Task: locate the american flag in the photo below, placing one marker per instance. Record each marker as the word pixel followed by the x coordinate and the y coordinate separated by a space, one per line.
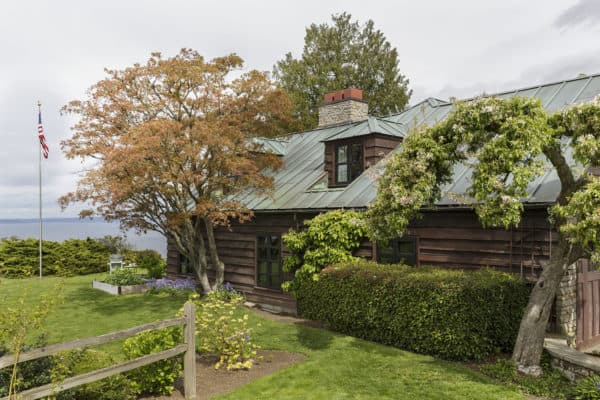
pixel 40 129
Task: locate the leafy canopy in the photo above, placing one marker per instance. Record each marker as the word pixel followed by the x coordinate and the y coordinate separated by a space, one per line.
pixel 341 55
pixel 173 133
pixel 173 141
pixel 508 143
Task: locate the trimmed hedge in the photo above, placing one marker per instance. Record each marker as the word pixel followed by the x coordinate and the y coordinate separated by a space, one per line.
pixel 19 257
pixel 451 314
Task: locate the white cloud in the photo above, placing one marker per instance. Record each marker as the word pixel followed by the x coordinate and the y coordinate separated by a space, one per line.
pixel 53 51
pixel 585 12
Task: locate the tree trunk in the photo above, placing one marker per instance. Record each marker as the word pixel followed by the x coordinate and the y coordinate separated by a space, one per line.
pixel 532 331
pixel 214 255
pixel 195 253
pixel 201 264
pixel 201 271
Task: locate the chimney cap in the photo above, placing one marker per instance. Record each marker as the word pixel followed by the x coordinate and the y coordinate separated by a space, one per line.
pixel 342 95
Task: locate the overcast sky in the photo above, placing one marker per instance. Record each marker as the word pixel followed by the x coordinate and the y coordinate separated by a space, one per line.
pixel 54 50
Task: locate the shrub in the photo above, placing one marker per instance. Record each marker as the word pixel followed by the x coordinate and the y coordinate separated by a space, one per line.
pixel 221 333
pixel 328 238
pixel 115 244
pixel 159 377
pixel 50 369
pixel 19 257
pixel 152 262
pixel 78 362
pixel 226 292
pixel 30 373
pixel 452 314
pixel 124 277
pixel 587 389
pixel 20 322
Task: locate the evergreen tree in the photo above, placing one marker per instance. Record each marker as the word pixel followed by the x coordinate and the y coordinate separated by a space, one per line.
pixel 344 54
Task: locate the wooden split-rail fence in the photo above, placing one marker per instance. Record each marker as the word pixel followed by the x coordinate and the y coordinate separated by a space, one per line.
pixel 188 349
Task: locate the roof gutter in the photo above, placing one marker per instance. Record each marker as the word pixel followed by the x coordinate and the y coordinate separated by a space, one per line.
pixel 528 206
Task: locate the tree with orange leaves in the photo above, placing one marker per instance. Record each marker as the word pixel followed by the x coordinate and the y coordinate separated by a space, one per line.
pixel 171 143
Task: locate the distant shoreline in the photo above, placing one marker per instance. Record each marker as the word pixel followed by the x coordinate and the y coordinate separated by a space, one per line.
pixel 60 229
pixel 50 220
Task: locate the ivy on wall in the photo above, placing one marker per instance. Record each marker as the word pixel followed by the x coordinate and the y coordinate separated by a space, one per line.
pixel 328 238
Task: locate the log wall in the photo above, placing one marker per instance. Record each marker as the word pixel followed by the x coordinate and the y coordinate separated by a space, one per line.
pixel 237 249
pixel 457 239
pixel 445 238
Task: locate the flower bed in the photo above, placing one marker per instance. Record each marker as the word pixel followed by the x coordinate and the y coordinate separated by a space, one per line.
pixel 171 285
pixel 119 289
pixel 122 282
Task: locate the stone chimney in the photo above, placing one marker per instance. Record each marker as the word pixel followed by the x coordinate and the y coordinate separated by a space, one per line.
pixel 343 106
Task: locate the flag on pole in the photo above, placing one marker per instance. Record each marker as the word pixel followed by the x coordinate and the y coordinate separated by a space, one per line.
pixel 40 129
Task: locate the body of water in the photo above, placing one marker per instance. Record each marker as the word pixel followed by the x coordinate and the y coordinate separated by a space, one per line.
pixel 74 228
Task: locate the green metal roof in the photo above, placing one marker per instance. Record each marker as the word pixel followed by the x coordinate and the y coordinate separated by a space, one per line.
pixel 274 145
pixel 296 185
pixel 368 126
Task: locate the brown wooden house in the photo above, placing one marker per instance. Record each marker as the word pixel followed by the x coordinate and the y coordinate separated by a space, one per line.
pixel 330 167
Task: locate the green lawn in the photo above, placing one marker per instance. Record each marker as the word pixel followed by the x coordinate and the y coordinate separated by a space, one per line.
pixel 88 312
pixel 338 366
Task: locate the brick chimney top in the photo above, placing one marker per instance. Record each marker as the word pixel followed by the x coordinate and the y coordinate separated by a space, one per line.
pixel 345 94
pixel 343 106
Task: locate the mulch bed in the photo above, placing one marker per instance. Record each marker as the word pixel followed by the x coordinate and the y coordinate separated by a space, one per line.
pixel 212 382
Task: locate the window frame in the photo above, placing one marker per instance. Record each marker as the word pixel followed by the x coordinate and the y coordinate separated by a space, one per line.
pixel 183 260
pixel 350 162
pixel 396 255
pixel 257 261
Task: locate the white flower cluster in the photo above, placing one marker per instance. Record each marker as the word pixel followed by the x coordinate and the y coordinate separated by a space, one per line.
pixel 458 128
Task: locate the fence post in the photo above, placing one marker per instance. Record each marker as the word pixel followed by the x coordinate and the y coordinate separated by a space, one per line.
pixel 189 358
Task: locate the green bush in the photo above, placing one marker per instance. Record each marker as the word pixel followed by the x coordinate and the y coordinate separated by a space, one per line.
pixel 124 277
pixel 159 377
pixel 53 369
pixel 30 373
pixel 587 389
pixel 552 384
pixel 223 334
pixel 19 257
pixel 328 238
pixel 152 262
pixel 78 362
pixel 451 314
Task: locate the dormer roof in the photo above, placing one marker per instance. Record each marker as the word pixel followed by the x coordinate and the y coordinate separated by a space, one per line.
pixel 369 126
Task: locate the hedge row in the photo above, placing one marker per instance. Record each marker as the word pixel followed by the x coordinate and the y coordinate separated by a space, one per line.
pixel 451 314
pixel 19 257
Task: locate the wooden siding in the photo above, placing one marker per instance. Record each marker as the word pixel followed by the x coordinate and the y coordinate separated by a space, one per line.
pixel 375 147
pixel 445 238
pixel 378 146
pixel 237 249
pixel 457 239
pixel 588 305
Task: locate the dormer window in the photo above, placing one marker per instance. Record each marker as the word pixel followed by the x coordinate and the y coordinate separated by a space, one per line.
pixel 348 162
pixel 352 148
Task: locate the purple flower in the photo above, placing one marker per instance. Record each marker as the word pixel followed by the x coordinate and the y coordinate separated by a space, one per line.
pixel 177 284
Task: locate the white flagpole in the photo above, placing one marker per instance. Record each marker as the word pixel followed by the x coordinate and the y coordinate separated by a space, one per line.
pixel 40 182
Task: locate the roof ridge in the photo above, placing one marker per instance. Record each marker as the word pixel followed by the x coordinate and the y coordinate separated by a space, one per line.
pixel 420 103
pixel 522 89
pixel 388 120
pixel 281 138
